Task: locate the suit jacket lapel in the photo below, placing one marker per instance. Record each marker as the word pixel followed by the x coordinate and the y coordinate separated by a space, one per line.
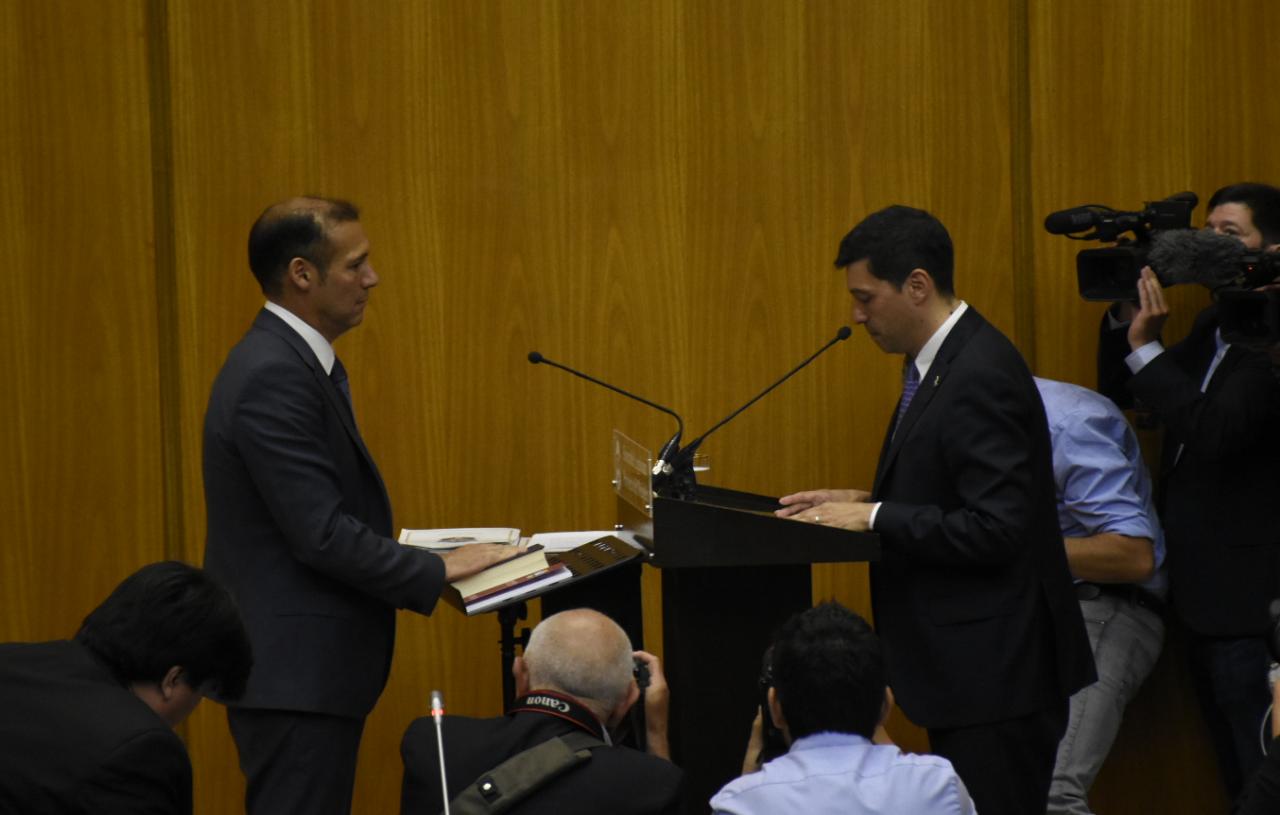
pixel 929 385
pixel 270 322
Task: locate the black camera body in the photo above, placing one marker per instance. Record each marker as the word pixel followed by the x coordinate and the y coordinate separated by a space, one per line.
pixel 1110 273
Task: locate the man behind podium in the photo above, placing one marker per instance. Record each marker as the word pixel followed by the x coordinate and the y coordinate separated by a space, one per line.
pixel 299 519
pixel 972 599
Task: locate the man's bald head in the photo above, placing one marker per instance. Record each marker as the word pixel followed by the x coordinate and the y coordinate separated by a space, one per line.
pixel 584 654
pixel 296 228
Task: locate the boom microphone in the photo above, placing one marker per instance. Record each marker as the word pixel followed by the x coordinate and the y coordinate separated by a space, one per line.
pixel 668 451
pixel 684 480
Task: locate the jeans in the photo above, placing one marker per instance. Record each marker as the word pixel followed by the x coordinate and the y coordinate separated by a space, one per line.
pixel 1126 639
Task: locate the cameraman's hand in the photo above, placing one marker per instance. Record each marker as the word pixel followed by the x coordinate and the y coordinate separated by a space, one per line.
pixel 657 699
pixel 1152 311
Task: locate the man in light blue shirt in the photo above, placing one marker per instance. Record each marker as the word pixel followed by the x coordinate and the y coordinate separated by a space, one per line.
pixel 828 696
pixel 1115 549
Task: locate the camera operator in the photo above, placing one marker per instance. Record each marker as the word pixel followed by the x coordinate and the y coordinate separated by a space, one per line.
pixel 1218 404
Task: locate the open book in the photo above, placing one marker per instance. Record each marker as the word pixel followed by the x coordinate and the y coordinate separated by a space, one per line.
pixel 442 540
pixel 534 573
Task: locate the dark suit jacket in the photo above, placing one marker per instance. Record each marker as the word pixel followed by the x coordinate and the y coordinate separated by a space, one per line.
pixel 973 598
pixel 74 740
pixel 1220 499
pixel 299 530
pixel 617 780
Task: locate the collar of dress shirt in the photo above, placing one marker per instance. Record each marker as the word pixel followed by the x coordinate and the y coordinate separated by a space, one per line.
pixel 319 345
pixel 930 349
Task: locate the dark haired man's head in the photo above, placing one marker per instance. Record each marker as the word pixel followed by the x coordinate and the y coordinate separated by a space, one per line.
pixel 1249 211
pixel 171 633
pixel 898 267
pixel 828 673
pixel 297 228
pixel 897 240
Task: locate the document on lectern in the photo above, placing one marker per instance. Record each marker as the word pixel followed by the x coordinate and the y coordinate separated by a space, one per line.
pixel 444 540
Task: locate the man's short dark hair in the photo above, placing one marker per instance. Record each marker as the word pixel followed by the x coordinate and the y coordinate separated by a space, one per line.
pixel 294 229
pixel 168 614
pixel 896 240
pixel 829 672
pixel 1263 201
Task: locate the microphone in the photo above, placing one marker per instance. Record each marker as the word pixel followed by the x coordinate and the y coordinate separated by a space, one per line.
pixel 1197 256
pixel 684 479
pixel 668 451
pixel 1076 219
pixel 437 713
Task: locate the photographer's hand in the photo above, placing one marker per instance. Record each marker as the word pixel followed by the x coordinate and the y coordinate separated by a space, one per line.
pixel 1152 311
pixel 657 698
pixel 755 744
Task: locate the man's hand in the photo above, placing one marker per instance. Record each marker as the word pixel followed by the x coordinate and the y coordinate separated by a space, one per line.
pixel 474 557
pixel 1152 311
pixel 657 699
pixel 798 502
pixel 755 743
pixel 845 509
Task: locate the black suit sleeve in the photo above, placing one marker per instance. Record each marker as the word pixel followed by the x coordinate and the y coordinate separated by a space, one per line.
pixel 148 774
pixel 283 433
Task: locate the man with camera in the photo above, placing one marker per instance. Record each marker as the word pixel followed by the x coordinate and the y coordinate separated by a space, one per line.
pixel 1218 403
pixel 828 695
pixel 574 682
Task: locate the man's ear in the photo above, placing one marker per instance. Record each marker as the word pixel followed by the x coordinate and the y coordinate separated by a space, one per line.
pixel 301 274
pixel 170 681
pixel 620 709
pixel 520 671
pixel 918 285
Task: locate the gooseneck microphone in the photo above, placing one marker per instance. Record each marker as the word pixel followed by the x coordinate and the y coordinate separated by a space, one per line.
pixel 437 713
pixel 668 451
pixel 684 477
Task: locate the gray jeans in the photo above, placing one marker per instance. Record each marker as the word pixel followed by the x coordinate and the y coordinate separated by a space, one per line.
pixel 1126 640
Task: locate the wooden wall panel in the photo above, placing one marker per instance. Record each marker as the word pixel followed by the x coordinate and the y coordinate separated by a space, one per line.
pixel 81 490
pixel 652 192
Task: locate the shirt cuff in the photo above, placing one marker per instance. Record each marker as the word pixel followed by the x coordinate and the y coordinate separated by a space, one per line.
pixel 1139 358
pixel 871 522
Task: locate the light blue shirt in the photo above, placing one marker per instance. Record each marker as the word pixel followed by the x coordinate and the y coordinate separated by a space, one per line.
pixel 1102 483
pixel 847 774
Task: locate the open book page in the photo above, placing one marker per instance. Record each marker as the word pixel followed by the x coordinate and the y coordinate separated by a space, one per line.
pixel 442 540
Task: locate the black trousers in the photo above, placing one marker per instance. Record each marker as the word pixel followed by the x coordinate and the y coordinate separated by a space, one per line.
pixel 1006 765
pixel 296 763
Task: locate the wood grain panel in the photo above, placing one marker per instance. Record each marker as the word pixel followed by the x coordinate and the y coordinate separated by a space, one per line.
pixel 81 491
pixel 652 192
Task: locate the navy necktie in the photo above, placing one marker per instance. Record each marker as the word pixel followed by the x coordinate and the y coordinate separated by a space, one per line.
pixel 339 377
pixel 910 382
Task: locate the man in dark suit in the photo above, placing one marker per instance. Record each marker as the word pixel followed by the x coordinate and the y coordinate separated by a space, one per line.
pixel 1219 404
pixel 972 599
pixel 299 522
pixel 86 725
pixel 575 678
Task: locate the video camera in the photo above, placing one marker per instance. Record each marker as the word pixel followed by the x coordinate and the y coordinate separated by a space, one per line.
pixel 1110 274
pixel 1162 239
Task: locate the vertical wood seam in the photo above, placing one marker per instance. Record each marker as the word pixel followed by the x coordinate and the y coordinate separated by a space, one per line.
pixel 1022 217
pixel 167 323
